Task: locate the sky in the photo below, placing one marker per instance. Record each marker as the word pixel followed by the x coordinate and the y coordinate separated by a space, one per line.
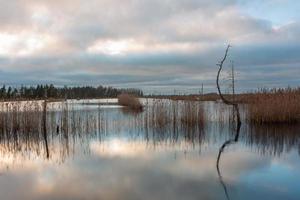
pixel 159 46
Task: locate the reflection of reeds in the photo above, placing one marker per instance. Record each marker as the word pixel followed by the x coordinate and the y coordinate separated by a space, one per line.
pixel 272 139
pixel 165 113
pixel 160 115
pixel 192 113
pixel 163 121
pixel 34 128
pixel 24 127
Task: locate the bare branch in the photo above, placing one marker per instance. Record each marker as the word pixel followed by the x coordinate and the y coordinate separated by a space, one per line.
pixel 236 138
pixel 226 101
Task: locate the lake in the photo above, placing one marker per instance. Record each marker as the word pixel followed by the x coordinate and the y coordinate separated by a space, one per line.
pixel 93 151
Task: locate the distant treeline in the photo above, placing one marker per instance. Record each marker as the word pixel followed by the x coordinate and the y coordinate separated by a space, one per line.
pixel 50 91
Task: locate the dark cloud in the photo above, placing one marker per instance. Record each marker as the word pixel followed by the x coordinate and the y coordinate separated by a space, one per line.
pixel 170 44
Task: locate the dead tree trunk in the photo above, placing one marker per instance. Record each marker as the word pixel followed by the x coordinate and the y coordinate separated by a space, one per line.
pixel 236 108
pixel 226 101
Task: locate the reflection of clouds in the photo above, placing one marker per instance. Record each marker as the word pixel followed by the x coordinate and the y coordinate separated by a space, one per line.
pixel 117 148
pixel 143 175
pixel 140 178
pixel 290 160
pixel 252 176
pixel 237 162
pixel 124 148
pixel 123 164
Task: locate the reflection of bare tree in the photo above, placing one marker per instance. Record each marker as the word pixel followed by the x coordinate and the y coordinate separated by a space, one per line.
pixel 54 131
pixel 238 121
pixel 45 127
pixel 221 150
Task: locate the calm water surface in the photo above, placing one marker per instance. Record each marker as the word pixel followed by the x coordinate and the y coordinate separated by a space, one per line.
pixel 105 153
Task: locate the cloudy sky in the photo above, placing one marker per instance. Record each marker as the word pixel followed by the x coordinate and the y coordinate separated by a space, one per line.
pixel 156 45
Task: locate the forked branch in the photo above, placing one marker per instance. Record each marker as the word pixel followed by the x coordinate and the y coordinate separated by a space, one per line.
pixel 226 101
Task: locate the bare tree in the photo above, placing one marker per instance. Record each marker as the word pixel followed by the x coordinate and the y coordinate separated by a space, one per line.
pixel 237 133
pixel 226 101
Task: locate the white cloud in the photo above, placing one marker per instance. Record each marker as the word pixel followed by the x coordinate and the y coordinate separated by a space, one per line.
pixel 158 36
pixel 23 44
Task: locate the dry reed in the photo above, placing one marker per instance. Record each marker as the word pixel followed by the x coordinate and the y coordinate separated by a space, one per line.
pixel 280 106
pixel 176 113
pixel 130 101
pixel 192 113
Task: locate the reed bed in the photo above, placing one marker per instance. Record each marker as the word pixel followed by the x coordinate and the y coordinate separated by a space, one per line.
pixel 22 125
pixel 277 106
pixel 39 128
pixel 52 130
pixel 160 114
pixel 192 113
pixel 130 101
pixel 176 113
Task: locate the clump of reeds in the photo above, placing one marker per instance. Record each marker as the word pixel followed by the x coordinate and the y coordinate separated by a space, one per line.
pixel 160 114
pixel 130 101
pixel 192 113
pixel 276 106
pixel 175 114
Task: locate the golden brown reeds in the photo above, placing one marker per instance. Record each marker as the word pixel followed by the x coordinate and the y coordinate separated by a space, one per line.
pixel 192 113
pixel 130 101
pixel 175 114
pixel 160 116
pixel 280 106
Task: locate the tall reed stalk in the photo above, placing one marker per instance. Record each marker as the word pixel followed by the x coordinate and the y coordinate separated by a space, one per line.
pixel 274 107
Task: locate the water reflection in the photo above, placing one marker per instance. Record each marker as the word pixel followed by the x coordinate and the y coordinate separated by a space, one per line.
pixel 38 131
pixel 93 149
pixel 221 150
pixel 273 140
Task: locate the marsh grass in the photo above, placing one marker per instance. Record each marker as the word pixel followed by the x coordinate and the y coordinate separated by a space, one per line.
pixel 22 126
pixel 277 106
pixel 176 113
pixel 160 115
pixel 36 128
pixel 192 113
pixel 130 102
